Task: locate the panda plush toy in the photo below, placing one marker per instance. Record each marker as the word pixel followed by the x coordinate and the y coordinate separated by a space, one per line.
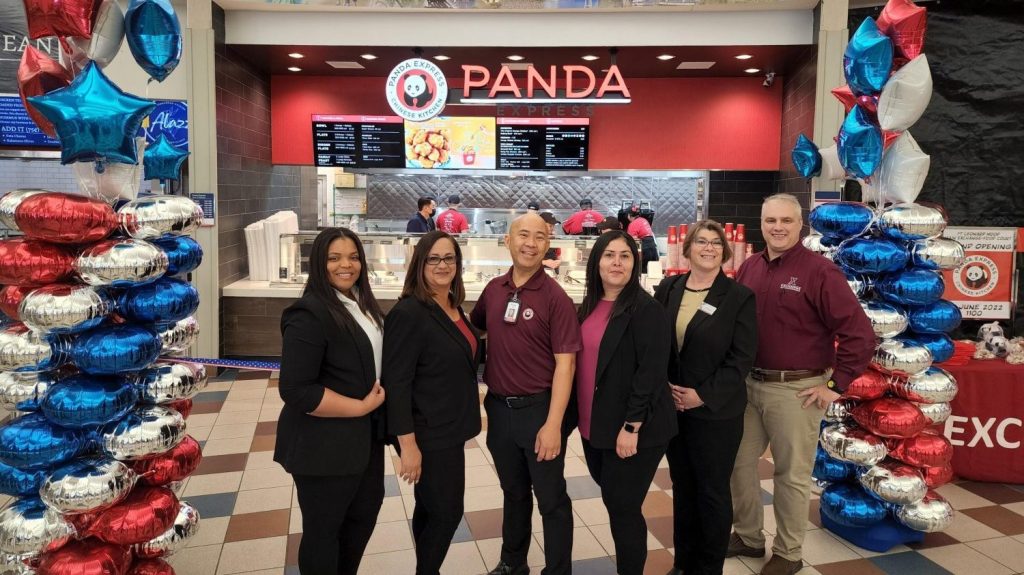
pixel 417 93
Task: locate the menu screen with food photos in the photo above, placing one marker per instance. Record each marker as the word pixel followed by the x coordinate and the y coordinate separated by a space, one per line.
pixel 450 143
pixel 543 143
pixel 359 141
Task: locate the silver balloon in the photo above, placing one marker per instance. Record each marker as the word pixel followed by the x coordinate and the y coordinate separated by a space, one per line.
pixel 894 482
pixel 911 222
pixel 933 513
pixel 186 524
pixel 165 382
pixel 887 320
pixel 24 350
pixel 107 35
pixel 145 432
pixel 894 357
pixel 121 263
pixel 937 253
pixel 177 487
pixel 64 308
pixel 9 203
pixel 935 385
pixel 87 485
pixel 21 391
pixel 935 412
pixel 29 526
pixel 839 410
pixel 179 336
pixel 11 564
pixel 858 283
pixel 154 216
pixel 812 241
pixel 852 444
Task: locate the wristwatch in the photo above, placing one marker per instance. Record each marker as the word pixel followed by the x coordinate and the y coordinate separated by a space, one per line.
pixel 630 428
pixel 832 385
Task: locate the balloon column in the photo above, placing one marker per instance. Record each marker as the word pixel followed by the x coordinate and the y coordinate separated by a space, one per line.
pixel 99 304
pixel 880 456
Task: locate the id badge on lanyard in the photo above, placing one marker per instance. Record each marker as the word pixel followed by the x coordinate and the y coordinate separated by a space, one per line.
pixel 512 308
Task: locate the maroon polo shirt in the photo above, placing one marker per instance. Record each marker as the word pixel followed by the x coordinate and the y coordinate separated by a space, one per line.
pixel 804 304
pixel 521 356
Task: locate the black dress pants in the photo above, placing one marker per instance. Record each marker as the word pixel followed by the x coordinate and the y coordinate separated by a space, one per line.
pixel 624 485
pixel 339 513
pixel 438 509
pixel 700 462
pixel 511 434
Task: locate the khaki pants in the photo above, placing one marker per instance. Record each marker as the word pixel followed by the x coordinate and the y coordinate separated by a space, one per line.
pixel 774 417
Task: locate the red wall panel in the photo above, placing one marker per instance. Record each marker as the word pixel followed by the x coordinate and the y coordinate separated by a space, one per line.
pixel 686 123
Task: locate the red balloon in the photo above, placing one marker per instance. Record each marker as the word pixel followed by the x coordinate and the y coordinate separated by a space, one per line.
pixel 59 17
pixel 924 450
pixel 888 137
pixel 39 74
pixel 65 218
pixel 938 476
pixel 182 406
pixel 904 23
pixel 88 557
pixel 28 262
pixel 144 514
pixel 10 299
pixel 870 385
pixel 845 96
pixel 151 567
pixel 890 417
pixel 172 465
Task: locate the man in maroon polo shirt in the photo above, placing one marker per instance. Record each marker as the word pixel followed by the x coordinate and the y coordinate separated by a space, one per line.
pixel 532 340
pixel 804 305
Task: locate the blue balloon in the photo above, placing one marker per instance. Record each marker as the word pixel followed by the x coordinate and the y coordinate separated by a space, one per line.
pixel 939 344
pixel 868 59
pixel 872 256
pixel 114 349
pixel 19 482
pixel 94 119
pixel 849 504
pixel 827 468
pixel 911 287
pixel 32 442
pixel 163 301
pixel 860 144
pixel 940 317
pixel 83 401
pixel 806 158
pixel 154 36
pixel 183 253
pixel 162 161
pixel 840 220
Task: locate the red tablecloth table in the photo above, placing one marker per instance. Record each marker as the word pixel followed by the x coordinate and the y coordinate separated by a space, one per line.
pixel 987 424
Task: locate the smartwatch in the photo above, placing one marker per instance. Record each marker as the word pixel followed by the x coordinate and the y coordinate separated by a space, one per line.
pixel 832 385
pixel 630 428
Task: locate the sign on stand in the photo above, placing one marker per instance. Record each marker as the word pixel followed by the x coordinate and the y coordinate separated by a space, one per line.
pixel 982 287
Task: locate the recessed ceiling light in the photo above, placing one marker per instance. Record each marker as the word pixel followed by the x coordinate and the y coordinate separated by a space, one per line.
pixel 345 65
pixel 294 69
pixel 367 56
pixel 752 70
pixel 744 57
pixel 515 57
pixel 694 65
pixel 442 57
pixel 590 58
pixel 295 55
pixel 604 69
pixel 664 57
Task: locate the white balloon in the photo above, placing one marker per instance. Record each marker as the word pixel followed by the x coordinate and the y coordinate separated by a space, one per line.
pixel 905 95
pixel 116 182
pixel 107 35
pixel 870 193
pixel 903 170
pixel 831 169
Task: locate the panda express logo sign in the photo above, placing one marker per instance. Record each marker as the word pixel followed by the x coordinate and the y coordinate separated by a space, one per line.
pixel 417 90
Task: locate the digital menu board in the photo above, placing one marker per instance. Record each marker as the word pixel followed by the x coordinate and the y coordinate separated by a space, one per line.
pixel 450 142
pixel 543 143
pixel 359 141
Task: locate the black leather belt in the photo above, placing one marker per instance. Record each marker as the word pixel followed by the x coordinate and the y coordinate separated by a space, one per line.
pixel 780 376
pixel 521 401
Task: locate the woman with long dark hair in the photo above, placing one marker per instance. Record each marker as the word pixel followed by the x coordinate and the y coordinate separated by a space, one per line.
pixel 625 408
pixel 329 434
pixel 430 359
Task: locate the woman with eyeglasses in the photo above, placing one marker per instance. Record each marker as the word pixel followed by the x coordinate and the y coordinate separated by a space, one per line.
pixel 713 347
pixel 430 364
pixel 623 400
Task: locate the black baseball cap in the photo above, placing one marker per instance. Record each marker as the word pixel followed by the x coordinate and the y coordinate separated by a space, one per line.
pixel 609 223
pixel 548 217
pixel 454 199
pixel 533 205
pixel 586 203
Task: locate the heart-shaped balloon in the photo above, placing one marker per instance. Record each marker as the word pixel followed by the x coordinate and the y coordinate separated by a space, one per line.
pixel 907 222
pixel 894 482
pixel 178 337
pixel 911 287
pixel 939 344
pixel 113 349
pixel 185 526
pixel 121 263
pixel 9 203
pixel 26 262
pixel 28 526
pixel 163 301
pixel 934 385
pixel 890 417
pixel 870 385
pixel 155 216
pixel 933 513
pixel 173 465
pixel 86 401
pixel 936 477
pixel 32 442
pixel 64 308
pixel 88 557
pixel 924 450
pixel 184 253
pixel 839 410
pixel 938 318
pixel 841 220
pixel 852 444
pixel 64 218
pixel 146 432
pixel 887 320
pixel 872 256
pixel 165 382
pixel 146 513
pixel 935 412
pixel 87 485
pixel 937 253
pixel 850 505
pixel 827 468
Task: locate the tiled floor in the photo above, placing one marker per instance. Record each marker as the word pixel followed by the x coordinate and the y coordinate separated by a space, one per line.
pixel 251 522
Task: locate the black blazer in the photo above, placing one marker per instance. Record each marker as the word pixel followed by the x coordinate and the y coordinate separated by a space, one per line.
pixel 631 383
pixel 318 354
pixel 718 349
pixel 429 376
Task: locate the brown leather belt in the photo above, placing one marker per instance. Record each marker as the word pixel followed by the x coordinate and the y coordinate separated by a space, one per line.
pixel 778 376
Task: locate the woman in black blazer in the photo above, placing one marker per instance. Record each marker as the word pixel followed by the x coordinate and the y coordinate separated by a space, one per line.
pixel 623 400
pixel 329 435
pixel 430 359
pixel 716 323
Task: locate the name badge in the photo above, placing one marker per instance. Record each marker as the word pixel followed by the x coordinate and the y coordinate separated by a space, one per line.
pixel 708 308
pixel 512 309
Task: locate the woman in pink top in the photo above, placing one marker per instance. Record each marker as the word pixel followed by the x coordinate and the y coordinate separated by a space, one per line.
pixel 640 229
pixel 626 415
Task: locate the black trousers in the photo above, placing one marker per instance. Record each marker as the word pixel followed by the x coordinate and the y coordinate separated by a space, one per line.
pixel 438 509
pixel 339 513
pixel 648 252
pixel 624 484
pixel 700 461
pixel 511 434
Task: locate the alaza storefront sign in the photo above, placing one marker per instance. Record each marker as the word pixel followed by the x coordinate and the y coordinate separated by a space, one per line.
pixel 417 89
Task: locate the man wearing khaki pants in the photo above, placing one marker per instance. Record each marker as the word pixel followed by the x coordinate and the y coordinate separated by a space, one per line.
pixel 804 305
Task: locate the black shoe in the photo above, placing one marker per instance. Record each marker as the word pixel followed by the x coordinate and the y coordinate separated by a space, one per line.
pixel 506 569
pixel 674 571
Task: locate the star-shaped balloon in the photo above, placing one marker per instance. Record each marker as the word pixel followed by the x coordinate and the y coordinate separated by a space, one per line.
pixel 806 158
pixel 904 23
pixel 162 161
pixel 59 17
pixel 868 59
pixel 154 36
pixel 860 144
pixel 94 118
pixel 39 74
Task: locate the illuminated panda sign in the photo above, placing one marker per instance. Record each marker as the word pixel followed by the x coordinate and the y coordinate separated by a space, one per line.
pixel 417 90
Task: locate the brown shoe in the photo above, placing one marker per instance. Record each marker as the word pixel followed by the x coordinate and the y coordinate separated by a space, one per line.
pixel 779 566
pixel 738 547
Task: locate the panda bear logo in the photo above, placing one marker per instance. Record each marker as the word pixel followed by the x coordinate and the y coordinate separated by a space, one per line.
pixel 416 91
pixel 976 277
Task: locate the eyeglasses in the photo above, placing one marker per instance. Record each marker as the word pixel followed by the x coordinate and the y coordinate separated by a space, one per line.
pixel 436 260
pixel 703 243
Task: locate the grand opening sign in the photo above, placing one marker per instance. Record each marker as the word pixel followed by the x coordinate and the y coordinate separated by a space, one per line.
pixel 982 287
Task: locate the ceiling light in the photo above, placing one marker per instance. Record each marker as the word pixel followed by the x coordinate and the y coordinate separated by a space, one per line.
pixel 590 58
pixel 294 69
pixel 752 70
pixel 515 57
pixel 744 57
pixel 694 65
pixel 295 55
pixel 442 57
pixel 517 66
pixel 664 57
pixel 345 65
pixel 367 56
